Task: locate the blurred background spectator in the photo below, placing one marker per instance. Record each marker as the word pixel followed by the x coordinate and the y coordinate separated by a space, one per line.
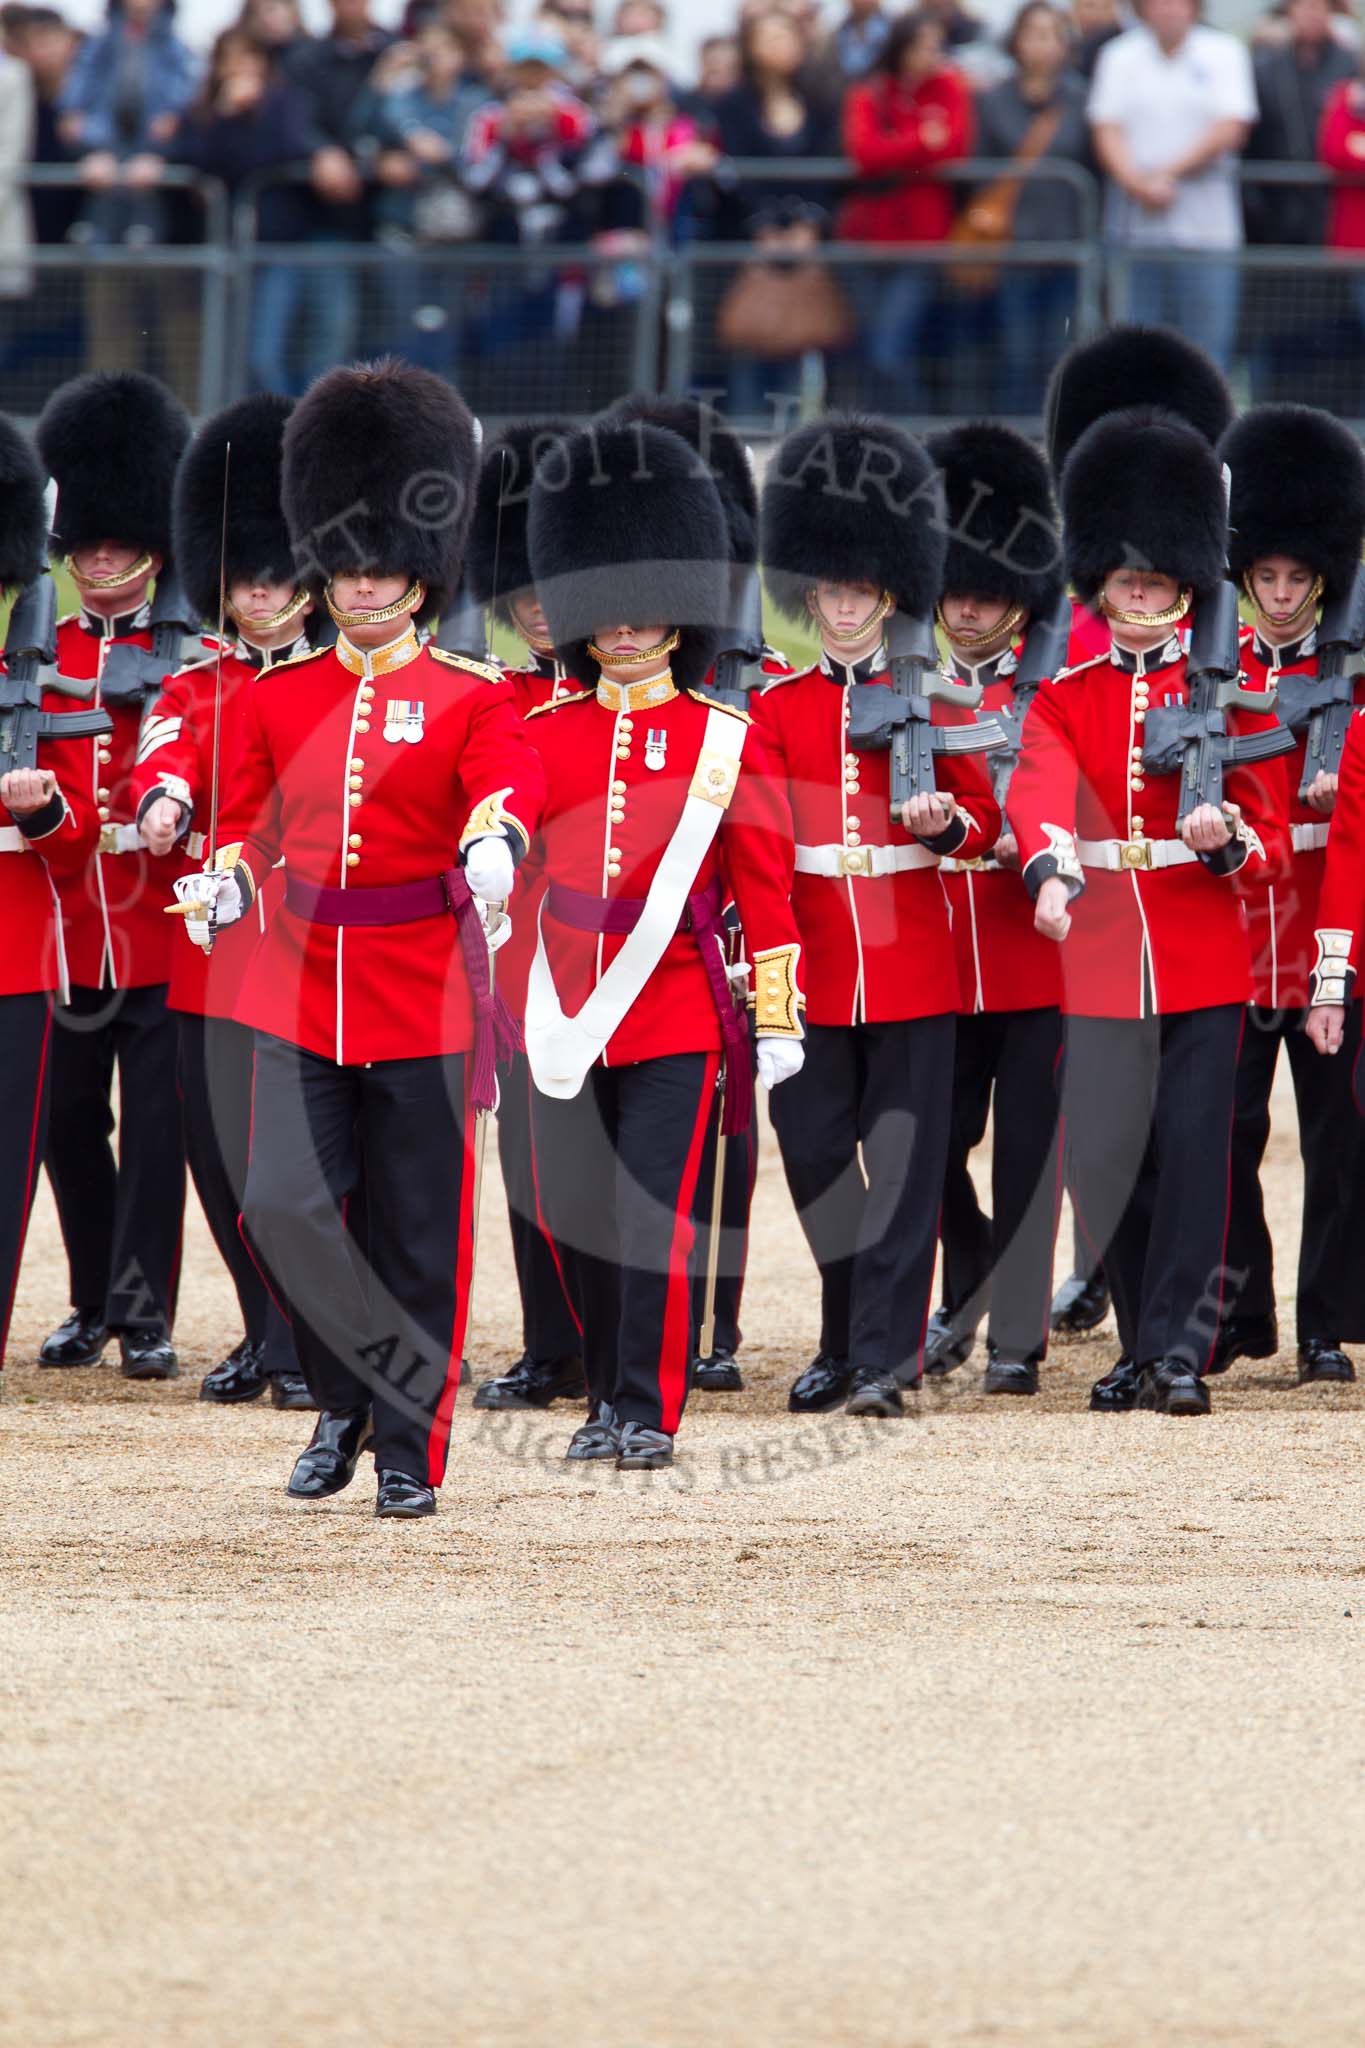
pixel 782 108
pixel 861 37
pixel 1294 76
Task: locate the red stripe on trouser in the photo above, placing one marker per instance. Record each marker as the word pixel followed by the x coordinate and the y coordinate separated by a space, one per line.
pixel 438 1441
pixel 541 1225
pixel 675 1351
pixel 30 1176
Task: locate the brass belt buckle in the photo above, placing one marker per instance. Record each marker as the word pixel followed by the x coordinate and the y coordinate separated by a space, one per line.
pixel 855 860
pixel 1137 853
pixel 108 839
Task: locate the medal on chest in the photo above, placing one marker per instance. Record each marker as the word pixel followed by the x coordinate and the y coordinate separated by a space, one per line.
pixel 656 746
pixel 404 718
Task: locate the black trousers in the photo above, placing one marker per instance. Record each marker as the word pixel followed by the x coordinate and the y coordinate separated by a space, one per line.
pixel 1004 1260
pixel 1331 1283
pixel 618 1169
pixel 548 1325
pixel 872 1224
pixel 217 1060
pixel 387 1330
pixel 25 1076
pixel 121 1217
pixel 1147 1107
pixel 738 1175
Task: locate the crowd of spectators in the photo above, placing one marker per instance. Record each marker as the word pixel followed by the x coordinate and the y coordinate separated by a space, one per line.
pixel 601 123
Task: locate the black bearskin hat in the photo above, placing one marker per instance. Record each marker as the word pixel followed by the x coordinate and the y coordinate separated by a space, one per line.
pixel 23 513
pixel 257 537
pixel 628 530
pixel 112 442
pixel 850 498
pixel 723 453
pixel 498 561
pixel 1002 527
pixel 379 473
pixel 1298 488
pixel 1133 366
pixel 1143 489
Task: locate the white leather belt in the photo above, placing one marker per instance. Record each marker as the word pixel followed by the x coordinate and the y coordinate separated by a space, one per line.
pixel 120 839
pixel 1309 838
pixel 1121 856
pixel 835 862
pixel 12 840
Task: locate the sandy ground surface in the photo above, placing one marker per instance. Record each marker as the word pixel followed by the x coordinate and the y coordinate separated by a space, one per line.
pixel 1005 1724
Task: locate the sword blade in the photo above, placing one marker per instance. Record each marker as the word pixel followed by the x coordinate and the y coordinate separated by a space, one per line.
pixel 212 840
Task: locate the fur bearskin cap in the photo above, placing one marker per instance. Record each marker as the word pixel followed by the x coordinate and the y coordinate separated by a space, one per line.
pixel 111 442
pixel 720 448
pixel 23 513
pixel 1002 527
pixel 1298 488
pixel 379 473
pixel 1143 489
pixel 850 498
pixel 498 561
pixel 257 537
pixel 1133 366
pixel 628 530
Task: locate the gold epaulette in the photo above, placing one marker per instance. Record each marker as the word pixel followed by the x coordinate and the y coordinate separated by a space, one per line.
pixel 1079 667
pixel 487 671
pixel 558 703
pixel 293 660
pixel 716 705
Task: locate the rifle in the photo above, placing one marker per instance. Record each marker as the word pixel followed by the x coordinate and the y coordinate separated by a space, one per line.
pixel 136 675
pixel 1192 740
pixel 463 630
pixel 31 655
pixel 901 718
pixel 1041 657
pixel 1325 703
pixel 739 664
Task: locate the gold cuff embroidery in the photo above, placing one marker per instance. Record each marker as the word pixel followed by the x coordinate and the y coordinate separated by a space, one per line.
pixel 776 999
pixel 491 816
pixel 1328 980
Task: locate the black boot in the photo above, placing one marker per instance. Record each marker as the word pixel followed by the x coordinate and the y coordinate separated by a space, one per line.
pixel 1117 1392
pixel 1006 1375
pixel 240 1377
pixel 717 1374
pixel 403 1499
pixel 290 1390
pixel 147 1355
pixel 1322 1361
pixel 534 1383
pixel 1079 1304
pixel 80 1340
pixel 874 1392
pixel 948 1343
pixel 1244 1337
pixel 1170 1386
pixel 329 1462
pixel 823 1384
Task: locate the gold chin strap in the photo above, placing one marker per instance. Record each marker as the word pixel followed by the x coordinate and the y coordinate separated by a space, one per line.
pixel 976 643
pixel 605 660
pixel 541 647
pixel 412 600
pixel 281 618
pixel 1296 617
pixel 843 636
pixel 1172 615
pixel 97 585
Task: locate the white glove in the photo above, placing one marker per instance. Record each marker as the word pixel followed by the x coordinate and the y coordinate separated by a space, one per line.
pixel 779 1059
pixel 218 893
pixel 488 868
pixel 737 973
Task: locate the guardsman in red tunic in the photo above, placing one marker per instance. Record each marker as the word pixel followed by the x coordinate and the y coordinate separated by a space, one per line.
pixel 1155 966
pixel 853 529
pixel 1003 569
pixel 396 785
pixel 498 574
pixel 111 443
pixel 1125 366
pixel 48 830
pixel 1298 528
pixel 266 615
pixel 660 808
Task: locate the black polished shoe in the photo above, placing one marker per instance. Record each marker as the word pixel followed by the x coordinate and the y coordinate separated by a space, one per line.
pixel 240 1377
pixel 822 1385
pixel 1171 1387
pixel 147 1355
pixel 717 1374
pixel 1010 1376
pixel 402 1498
pixel 600 1437
pixel 947 1344
pixel 641 1449
pixel 328 1464
pixel 1117 1392
pixel 1244 1337
pixel 1322 1360
pixel 1079 1305
pixel 534 1383
pixel 290 1390
pixel 873 1392
pixel 80 1340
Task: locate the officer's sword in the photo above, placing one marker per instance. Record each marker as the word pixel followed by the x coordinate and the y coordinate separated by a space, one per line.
pixel 206 910
pixel 484 1116
pixel 707 1338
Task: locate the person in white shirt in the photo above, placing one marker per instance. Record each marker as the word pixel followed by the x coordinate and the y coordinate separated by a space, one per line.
pixel 1171 108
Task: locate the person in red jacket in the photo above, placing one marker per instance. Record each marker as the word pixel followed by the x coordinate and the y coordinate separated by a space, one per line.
pixel 853 530
pixel 111 443
pixel 913 115
pixel 1155 967
pixel 1341 148
pixel 1003 569
pixel 202 713
pixel 48 830
pixel 660 808
pixel 1297 516
pixel 394 782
